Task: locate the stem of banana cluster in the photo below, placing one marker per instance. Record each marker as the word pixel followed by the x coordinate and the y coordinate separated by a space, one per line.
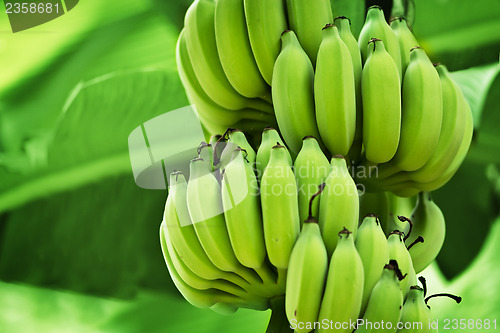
pixel 278 322
pixel 282 272
pixel 249 275
pixel 266 274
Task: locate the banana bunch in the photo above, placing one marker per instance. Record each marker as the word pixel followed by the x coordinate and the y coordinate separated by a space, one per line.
pixel 247 227
pixel 377 99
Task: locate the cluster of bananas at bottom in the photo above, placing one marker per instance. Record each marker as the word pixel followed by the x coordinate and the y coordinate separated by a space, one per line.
pixel 252 226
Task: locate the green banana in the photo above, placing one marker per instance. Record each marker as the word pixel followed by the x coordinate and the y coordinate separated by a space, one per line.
pixel 376 27
pixel 334 93
pixel 429 223
pixel 416 315
pixel 373 250
pixel 306 276
pixel 280 211
pixel 339 204
pixel 266 20
pixel 238 138
pixel 206 153
pixel 344 286
pixel 399 206
pixel 385 303
pixel 199 25
pixel 422 113
pixel 311 168
pixel 235 51
pixel 270 138
pixel 405 38
pixel 241 204
pixel 399 252
pixel 306 19
pixel 453 127
pixel 293 93
pixel 381 104
pixel 376 203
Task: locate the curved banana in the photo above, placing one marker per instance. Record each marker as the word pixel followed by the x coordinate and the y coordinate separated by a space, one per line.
pixel 334 93
pixel 344 285
pixel 307 18
pixel 339 204
pixel 416 315
pixel 311 168
pixel 270 138
pixel 429 223
pixel 385 303
pixel 293 93
pixel 235 52
pixel 266 21
pixel 199 25
pixel 381 104
pixel 405 38
pixel 373 250
pixel 238 138
pixel 421 115
pixel 376 27
pixel 280 210
pixel 241 204
pixel 452 130
pixel 306 276
pixel 399 252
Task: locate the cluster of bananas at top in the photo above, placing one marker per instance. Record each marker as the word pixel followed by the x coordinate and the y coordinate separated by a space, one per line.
pixel 378 100
pixel 249 227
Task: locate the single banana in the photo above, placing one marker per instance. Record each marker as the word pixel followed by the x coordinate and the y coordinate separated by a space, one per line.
pixel 238 138
pixel 399 206
pixel 373 250
pixel 307 18
pixel 311 168
pixel 452 130
pixel 376 27
pixel 416 316
pixel 405 38
pixel 429 223
pixel 385 303
pixel 339 204
pixel 206 213
pixel 241 204
pixel 280 210
pixel 199 25
pixel 344 286
pixel 422 113
pixel 206 153
pixel 306 276
pixel 293 93
pixel 266 20
pixel 270 138
pixel 235 52
pixel 399 252
pixel 381 104
pixel 334 93
pixel 344 26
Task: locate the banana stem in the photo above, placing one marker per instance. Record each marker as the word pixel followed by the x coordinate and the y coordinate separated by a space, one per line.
pixel 265 273
pixel 282 277
pixel 278 322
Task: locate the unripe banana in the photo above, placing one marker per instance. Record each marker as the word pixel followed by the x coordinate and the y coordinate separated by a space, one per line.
pixel 334 93
pixel 266 20
pixel 399 206
pixel 452 130
pixel 376 27
pixel 405 38
pixel 344 285
pixel 235 52
pixel 385 303
pixel 241 204
pixel 202 48
pixel 206 153
pixel 381 104
pixel 339 204
pixel 311 168
pixel 206 213
pixel 306 277
pixel 416 312
pixel 270 138
pixel 238 138
pixel 399 252
pixel 422 113
pixel 307 18
pixel 344 26
pixel 373 250
pixel 429 223
pixel 280 211
pixel 293 93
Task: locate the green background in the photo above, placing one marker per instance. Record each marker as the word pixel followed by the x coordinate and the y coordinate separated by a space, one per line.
pixel 79 248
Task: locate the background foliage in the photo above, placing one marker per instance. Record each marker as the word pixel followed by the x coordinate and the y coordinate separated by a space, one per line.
pixel 79 250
